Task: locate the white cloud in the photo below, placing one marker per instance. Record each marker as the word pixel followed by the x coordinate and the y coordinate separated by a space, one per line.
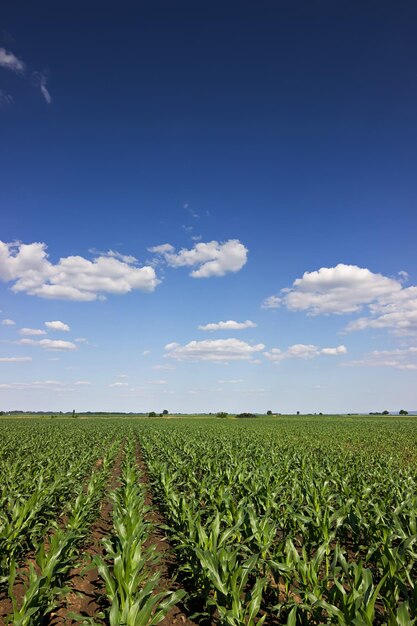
pixel 15 359
pixel 146 353
pixel 340 289
pixel 57 325
pixel 8 322
pixel 32 331
pixel 334 351
pixel 229 325
pixel 162 249
pixel 272 302
pixel 49 344
pixel 73 277
pixel 166 366
pixel 348 289
pixel 230 382
pixel 119 384
pixel 302 351
pixel 400 359
pixel 11 62
pixel 397 313
pixel 157 382
pixel 210 259
pixel 213 350
pixel 82 382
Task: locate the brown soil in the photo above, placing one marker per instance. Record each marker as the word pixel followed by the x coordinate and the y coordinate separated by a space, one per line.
pixel 166 565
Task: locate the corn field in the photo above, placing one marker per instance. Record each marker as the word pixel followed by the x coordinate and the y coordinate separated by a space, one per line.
pixel 297 521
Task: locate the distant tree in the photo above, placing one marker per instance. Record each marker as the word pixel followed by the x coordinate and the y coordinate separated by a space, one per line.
pixel 269 412
pixel 298 412
pixel 403 412
pixel 151 414
pixel 244 415
pixel 385 412
pixel 222 414
pixel 165 412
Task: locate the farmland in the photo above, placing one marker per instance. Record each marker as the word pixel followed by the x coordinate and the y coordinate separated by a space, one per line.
pixel 289 520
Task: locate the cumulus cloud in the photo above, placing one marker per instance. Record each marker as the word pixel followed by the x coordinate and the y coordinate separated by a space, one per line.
pixel 32 331
pixel 397 313
pixel 210 259
pixel 58 325
pixel 342 289
pixel 8 322
pixel 49 344
pixel 73 277
pixel 229 325
pixel 11 62
pixel 400 359
pixel 14 359
pixel 302 351
pixel 213 350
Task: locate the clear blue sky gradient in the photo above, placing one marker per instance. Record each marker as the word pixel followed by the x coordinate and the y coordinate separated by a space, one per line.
pixel 289 126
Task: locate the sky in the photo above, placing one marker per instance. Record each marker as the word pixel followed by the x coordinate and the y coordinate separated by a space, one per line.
pixel 208 206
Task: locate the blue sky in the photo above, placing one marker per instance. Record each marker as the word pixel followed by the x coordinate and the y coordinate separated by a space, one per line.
pixel 245 165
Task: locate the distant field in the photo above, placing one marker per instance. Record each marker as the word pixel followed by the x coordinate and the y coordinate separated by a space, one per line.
pixel 278 520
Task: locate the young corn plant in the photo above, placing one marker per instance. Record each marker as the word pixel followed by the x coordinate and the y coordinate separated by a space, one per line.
pixel 131 587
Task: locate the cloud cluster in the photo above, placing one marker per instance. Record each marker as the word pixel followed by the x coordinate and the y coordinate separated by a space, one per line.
pixel 73 277
pixel 302 351
pixel 213 350
pixel 348 289
pixel 229 325
pixel 15 359
pixel 400 358
pixel 210 259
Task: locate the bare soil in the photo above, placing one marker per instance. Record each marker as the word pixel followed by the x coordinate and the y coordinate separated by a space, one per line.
pixel 167 564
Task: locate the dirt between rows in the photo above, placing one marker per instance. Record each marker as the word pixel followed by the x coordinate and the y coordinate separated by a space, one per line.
pixel 176 616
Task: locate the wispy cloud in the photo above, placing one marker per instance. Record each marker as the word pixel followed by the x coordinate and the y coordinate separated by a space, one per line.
pixel 32 331
pixel 11 62
pixel 15 359
pixel 41 79
pixel 400 359
pixel 8 322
